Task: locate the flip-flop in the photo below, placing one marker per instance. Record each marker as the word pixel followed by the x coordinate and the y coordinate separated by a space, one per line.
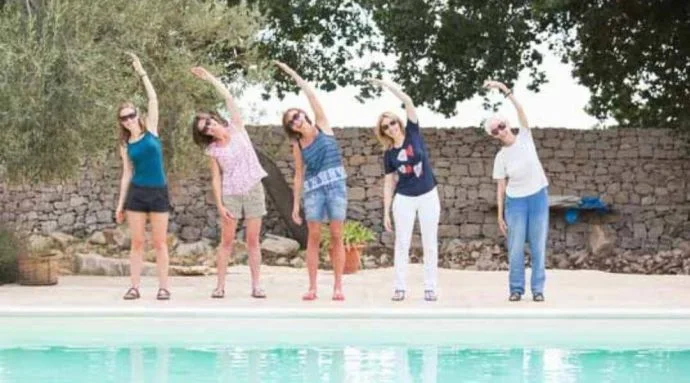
pixel 218 294
pixel 258 293
pixel 163 294
pixel 131 294
pixel 309 296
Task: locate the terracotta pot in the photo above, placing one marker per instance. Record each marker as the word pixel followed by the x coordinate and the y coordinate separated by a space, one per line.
pixel 352 258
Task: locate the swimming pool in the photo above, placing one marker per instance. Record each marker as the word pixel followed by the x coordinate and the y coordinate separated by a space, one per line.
pixel 311 345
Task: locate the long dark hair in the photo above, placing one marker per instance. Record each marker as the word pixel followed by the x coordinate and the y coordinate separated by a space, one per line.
pixel 204 140
pixel 288 130
pixel 125 134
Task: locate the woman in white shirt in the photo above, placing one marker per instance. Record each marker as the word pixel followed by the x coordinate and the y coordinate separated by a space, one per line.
pixel 523 188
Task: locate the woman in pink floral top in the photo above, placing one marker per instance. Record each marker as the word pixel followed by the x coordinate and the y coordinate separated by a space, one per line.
pixel 236 178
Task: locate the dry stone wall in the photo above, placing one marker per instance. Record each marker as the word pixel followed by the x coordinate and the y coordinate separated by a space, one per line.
pixel 643 174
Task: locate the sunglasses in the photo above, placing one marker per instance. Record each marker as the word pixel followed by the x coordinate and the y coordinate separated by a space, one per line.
pixel 501 126
pixel 294 119
pixel 130 116
pixel 389 125
pixel 206 127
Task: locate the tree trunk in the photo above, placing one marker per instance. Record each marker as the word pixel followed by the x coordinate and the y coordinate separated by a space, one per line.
pixel 281 194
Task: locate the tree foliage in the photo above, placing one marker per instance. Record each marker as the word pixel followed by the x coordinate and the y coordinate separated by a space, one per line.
pixel 64 72
pixel 444 50
pixel 632 55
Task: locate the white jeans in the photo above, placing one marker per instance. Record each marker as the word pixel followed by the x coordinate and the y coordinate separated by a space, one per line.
pixel 405 210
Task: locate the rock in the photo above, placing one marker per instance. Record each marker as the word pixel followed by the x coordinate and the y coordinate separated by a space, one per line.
pixel 118 237
pixel 189 271
pixel 193 250
pixel 39 245
pixel 297 262
pixel 94 264
pixel 98 238
pixel 560 261
pixel 63 240
pixel 282 261
pixel 600 244
pixel 684 247
pixel 486 263
pixel 277 247
pixel 239 252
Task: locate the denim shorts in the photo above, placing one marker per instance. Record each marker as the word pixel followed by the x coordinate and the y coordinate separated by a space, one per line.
pixel 326 203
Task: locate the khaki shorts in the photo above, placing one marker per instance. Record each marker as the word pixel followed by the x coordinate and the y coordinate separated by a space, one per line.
pixel 249 205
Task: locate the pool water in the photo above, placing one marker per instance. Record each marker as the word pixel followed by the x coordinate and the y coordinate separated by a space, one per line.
pixel 379 364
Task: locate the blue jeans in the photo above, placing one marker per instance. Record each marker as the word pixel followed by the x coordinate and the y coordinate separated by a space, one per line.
pixel 527 218
pixel 326 203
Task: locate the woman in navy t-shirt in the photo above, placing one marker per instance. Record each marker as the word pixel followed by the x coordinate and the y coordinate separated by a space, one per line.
pixel 410 189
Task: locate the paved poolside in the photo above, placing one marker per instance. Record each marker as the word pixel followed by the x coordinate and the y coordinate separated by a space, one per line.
pixel 367 289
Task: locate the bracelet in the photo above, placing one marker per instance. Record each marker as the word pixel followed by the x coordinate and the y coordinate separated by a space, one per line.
pixel 508 94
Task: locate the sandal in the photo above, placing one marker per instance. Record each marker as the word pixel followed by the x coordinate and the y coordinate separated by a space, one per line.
pixel 514 297
pixel 258 293
pixel 131 294
pixel 398 295
pixel 338 296
pixel 430 296
pixel 163 294
pixel 218 293
pixel 538 297
pixel 309 296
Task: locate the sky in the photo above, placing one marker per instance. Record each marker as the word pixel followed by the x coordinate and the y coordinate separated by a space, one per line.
pixel 559 104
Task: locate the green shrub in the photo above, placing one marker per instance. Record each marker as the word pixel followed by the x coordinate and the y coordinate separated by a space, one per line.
pixel 11 246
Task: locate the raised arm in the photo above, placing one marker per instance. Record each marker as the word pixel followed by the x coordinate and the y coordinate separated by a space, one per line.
pixel 522 117
pixel 320 116
pixel 233 108
pixel 152 110
pixel 124 185
pixel 406 100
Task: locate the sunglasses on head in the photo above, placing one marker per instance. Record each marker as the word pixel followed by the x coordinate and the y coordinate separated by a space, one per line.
pixel 294 119
pixel 130 116
pixel 389 125
pixel 501 126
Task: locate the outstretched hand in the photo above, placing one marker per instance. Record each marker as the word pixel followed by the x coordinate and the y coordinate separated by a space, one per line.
pixel 201 73
pixel 136 63
pixel 490 84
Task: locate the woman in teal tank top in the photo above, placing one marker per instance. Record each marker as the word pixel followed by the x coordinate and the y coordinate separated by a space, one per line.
pixel 319 172
pixel 143 187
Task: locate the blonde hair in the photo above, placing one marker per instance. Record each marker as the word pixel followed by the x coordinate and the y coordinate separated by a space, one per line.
pixel 385 140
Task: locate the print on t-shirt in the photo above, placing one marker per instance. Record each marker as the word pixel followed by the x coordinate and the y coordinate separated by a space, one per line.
pixel 408 155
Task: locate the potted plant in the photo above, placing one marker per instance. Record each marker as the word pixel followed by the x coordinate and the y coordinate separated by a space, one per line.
pixel 39 266
pixel 355 237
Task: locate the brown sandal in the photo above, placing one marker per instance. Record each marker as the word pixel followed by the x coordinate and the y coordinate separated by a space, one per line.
pixel 131 294
pixel 163 294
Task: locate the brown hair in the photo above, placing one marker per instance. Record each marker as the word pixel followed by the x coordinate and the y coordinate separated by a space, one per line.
pixel 201 139
pixel 385 140
pixel 124 133
pixel 288 130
